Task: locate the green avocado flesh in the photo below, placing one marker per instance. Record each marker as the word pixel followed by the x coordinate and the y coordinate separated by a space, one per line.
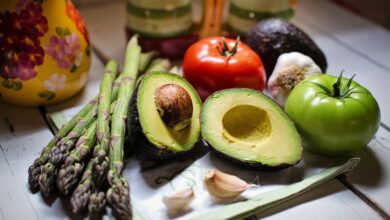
pixel 248 127
pixel 153 127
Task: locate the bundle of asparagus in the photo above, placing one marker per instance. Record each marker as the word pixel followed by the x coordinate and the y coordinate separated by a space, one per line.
pixel 85 157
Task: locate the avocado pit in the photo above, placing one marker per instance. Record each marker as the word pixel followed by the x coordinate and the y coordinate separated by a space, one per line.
pixel 246 123
pixel 174 106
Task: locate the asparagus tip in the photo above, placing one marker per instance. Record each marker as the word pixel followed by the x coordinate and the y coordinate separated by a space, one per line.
pixel 97 202
pixel 118 198
pixel 68 177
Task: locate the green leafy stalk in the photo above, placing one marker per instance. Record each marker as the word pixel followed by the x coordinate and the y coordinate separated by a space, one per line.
pixel 100 155
pixel 118 195
pixel 34 170
pixel 70 172
pixel 80 196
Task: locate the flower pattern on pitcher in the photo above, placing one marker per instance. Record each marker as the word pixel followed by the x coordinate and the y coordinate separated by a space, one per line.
pixel 20 47
pixel 56 82
pixel 65 50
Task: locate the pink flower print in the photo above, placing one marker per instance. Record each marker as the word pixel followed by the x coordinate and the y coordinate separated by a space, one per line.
pixel 56 82
pixel 64 50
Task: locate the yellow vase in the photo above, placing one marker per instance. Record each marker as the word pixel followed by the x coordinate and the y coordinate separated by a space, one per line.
pixel 44 51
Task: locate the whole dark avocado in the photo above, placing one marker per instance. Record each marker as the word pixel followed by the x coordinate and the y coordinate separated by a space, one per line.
pixel 272 37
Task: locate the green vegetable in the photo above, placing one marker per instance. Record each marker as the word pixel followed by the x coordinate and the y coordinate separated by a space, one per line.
pixel 80 196
pixel 100 157
pixel 46 179
pixel 118 194
pixel 247 128
pixel 34 171
pixel 100 161
pixel 69 174
pixel 145 60
pixel 163 118
pixel 335 116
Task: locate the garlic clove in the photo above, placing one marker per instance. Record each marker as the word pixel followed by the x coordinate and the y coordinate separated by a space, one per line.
pixel 222 185
pixel 179 200
pixel 290 69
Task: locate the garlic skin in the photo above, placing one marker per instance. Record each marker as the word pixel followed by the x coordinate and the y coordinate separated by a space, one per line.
pixel 224 186
pixel 290 69
pixel 179 200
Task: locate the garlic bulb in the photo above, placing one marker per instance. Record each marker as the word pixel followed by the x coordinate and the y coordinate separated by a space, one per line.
pixel 179 200
pixel 222 185
pixel 290 69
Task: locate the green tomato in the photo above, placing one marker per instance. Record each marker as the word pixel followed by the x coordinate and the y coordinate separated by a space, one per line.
pixel 335 116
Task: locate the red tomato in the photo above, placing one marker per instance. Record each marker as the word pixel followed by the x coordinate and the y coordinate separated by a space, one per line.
pixel 211 65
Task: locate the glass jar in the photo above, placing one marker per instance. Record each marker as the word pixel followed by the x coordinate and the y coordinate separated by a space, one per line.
pixel 244 14
pixel 165 26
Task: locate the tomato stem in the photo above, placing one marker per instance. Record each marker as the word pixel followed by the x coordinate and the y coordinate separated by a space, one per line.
pixel 337 93
pixel 224 51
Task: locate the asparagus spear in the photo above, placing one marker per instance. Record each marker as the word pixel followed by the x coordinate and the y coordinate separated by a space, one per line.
pixel 84 191
pixel 67 143
pixel 46 179
pixel 34 170
pixel 118 195
pixel 145 60
pixel 100 157
pixel 68 175
pixel 81 194
pixel 158 64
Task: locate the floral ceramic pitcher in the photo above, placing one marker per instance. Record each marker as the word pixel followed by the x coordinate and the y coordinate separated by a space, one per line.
pixel 44 51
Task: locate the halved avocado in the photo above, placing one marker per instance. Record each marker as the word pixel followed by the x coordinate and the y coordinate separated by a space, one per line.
pixel 163 118
pixel 250 129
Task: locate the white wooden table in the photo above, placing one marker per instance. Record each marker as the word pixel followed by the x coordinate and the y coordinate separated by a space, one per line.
pixel 349 42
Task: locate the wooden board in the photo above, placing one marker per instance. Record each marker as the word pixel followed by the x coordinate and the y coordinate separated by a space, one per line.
pixel 372 177
pixel 23 132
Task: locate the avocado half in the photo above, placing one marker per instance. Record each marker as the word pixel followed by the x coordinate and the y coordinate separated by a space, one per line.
pixel 249 129
pixel 272 37
pixel 150 136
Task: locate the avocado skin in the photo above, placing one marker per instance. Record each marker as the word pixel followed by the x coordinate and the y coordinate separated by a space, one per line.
pixel 250 165
pixel 137 140
pixel 272 37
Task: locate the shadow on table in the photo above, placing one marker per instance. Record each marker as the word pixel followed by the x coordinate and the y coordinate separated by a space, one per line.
pixel 157 174
pixel 369 173
pixel 319 192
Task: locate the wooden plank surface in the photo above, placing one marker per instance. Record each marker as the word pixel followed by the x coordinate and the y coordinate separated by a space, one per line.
pixel 372 177
pixel 341 57
pixel 23 133
pixel 325 202
pixel 20 145
pixel 366 38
